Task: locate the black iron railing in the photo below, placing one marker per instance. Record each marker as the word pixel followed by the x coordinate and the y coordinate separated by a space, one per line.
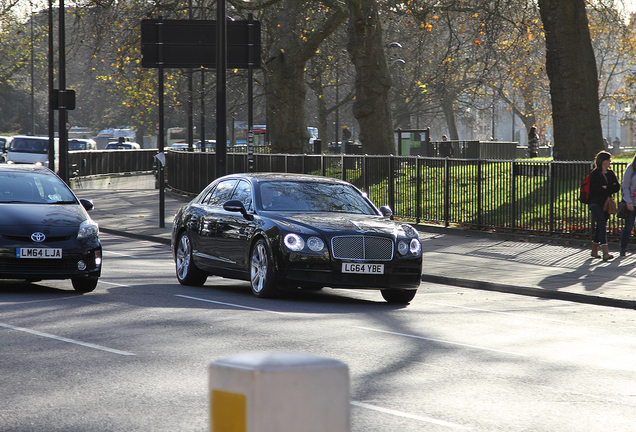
pixel 534 197
pixel 99 162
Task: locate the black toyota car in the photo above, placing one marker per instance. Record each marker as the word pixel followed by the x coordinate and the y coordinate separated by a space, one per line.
pixel 45 230
pixel 289 231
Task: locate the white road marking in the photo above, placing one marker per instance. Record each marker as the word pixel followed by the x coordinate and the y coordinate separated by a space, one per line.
pixel 502 313
pixel 120 254
pixel 409 416
pixel 441 341
pixel 363 328
pixel 63 339
pixel 230 304
pixel 113 283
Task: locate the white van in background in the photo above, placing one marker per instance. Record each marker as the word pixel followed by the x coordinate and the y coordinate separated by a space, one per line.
pixel 30 150
pixel 5 141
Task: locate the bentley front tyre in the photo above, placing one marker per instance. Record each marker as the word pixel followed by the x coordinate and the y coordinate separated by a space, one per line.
pixel 261 271
pixel 398 296
pixel 187 271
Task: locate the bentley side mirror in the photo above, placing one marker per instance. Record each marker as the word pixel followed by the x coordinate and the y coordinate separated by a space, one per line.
pixel 386 211
pixel 238 207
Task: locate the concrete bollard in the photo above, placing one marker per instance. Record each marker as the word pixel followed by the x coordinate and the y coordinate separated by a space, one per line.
pixel 279 392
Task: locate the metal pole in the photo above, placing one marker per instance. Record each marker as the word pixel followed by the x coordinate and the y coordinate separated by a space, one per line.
pixel 250 93
pixel 62 116
pixel 202 137
pixel 342 150
pixel 51 88
pixel 160 171
pixel 221 96
pixel 190 126
pixel 32 80
pixel 202 110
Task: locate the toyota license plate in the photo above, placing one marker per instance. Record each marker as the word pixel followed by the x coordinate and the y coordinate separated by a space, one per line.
pixel 39 253
pixel 363 268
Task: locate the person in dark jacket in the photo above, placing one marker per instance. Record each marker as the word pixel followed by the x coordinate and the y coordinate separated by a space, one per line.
pixel 603 184
pixel 446 148
pixel 628 189
pixel 533 142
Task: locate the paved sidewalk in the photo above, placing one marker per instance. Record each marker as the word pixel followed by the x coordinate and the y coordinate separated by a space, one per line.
pixel 523 265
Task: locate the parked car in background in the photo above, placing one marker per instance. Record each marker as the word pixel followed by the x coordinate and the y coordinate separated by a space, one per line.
pixel 77 144
pixel 122 146
pixel 5 141
pixel 26 149
pixel 177 146
pixel 209 146
pixel 45 230
pixel 288 231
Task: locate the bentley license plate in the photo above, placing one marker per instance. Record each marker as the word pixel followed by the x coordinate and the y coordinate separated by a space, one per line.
pixel 363 268
pixel 40 253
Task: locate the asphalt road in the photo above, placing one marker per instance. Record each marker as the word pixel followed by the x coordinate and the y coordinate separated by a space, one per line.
pixel 133 355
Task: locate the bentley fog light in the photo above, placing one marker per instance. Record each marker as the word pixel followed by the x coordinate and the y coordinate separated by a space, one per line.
pixel 403 248
pixel 294 242
pixel 315 244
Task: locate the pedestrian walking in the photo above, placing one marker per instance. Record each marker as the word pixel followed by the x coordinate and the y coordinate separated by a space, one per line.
pixel 628 190
pixel 533 142
pixel 446 148
pixel 603 184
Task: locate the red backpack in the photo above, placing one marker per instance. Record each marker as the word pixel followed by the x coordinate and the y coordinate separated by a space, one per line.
pixel 584 194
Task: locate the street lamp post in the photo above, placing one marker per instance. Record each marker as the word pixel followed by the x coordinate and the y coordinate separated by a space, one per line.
pixel 337 106
pixel 32 80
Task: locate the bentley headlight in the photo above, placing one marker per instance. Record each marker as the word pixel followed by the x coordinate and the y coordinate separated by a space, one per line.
pixel 87 229
pixel 403 248
pixel 294 242
pixel 415 247
pixel 315 244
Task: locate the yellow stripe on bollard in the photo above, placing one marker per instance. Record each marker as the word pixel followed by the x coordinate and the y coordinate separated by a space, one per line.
pixel 228 412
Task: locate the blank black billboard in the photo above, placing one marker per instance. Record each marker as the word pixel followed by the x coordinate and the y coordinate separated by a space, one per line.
pixel 192 43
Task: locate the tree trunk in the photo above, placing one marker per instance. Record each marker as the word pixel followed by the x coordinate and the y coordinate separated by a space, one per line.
pixel 285 72
pixel 527 92
pixel 571 67
pixel 373 81
pixel 449 115
pixel 286 116
pixel 323 112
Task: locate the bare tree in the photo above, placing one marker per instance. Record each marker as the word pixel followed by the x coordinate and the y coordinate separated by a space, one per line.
pixel 571 67
pixel 291 42
pixel 373 81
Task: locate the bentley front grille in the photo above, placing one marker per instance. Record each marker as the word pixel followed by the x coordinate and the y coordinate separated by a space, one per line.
pixel 365 248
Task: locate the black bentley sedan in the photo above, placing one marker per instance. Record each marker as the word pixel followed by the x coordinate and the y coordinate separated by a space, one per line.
pixel 288 231
pixel 45 231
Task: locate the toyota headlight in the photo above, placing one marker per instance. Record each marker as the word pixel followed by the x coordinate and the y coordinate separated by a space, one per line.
pixel 87 229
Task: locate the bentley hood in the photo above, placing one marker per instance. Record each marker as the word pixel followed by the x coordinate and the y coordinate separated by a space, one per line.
pixel 331 224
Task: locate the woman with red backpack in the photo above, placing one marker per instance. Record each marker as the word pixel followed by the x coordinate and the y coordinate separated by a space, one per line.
pixel 603 184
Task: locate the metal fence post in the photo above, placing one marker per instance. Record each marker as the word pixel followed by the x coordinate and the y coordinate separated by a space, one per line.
pixel 418 189
pixel 479 194
pixel 392 182
pixel 513 192
pixel 344 168
pixel 552 185
pixel 446 193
